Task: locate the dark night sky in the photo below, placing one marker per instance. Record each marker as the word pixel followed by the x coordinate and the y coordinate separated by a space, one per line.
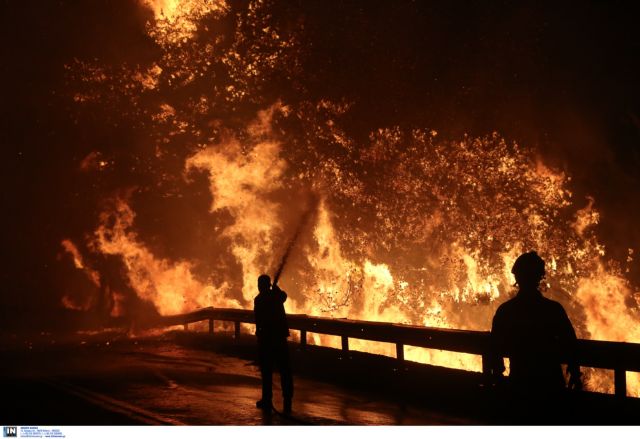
pixel 563 78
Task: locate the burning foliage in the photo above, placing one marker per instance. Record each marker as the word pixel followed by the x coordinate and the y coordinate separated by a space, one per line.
pixel 224 145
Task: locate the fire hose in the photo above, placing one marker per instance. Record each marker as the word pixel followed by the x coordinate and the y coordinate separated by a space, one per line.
pixel 308 213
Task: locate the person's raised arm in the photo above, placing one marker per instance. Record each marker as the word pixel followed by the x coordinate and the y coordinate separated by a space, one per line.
pixel 281 295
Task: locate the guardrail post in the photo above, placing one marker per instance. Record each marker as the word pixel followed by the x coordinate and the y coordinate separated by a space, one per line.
pixel 345 343
pixel 303 338
pixel 400 353
pixel 236 334
pixel 486 366
pixel 620 382
pixel 186 326
pixel 210 326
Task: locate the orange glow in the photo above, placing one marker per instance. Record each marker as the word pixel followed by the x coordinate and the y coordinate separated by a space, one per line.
pixel 171 286
pixel 410 228
pixel 70 301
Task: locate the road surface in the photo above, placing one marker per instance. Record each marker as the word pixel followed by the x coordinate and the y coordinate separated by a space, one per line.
pixel 115 380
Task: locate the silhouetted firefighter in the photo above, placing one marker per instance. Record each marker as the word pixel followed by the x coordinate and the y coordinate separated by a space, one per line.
pixel 536 334
pixel 272 331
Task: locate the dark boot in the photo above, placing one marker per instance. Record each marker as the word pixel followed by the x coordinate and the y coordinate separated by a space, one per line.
pixel 286 408
pixel 264 405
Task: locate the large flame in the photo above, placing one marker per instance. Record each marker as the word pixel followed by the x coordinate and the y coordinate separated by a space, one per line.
pixel 410 228
pixel 241 179
pixel 171 286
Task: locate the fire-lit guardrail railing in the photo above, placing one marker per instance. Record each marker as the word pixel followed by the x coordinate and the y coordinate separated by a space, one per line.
pixel 616 356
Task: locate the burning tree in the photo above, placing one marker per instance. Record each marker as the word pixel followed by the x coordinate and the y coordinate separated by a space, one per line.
pixel 221 142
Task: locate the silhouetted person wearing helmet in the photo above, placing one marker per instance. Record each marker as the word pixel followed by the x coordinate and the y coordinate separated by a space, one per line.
pixel 272 331
pixel 536 334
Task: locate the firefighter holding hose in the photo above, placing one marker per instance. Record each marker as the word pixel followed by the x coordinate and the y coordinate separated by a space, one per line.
pixel 272 329
pixel 272 332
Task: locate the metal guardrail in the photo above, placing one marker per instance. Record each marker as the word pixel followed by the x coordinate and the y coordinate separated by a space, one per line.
pixel 617 356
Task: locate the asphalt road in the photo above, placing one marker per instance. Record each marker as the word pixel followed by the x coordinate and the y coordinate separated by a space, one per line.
pixel 191 378
pixel 109 379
